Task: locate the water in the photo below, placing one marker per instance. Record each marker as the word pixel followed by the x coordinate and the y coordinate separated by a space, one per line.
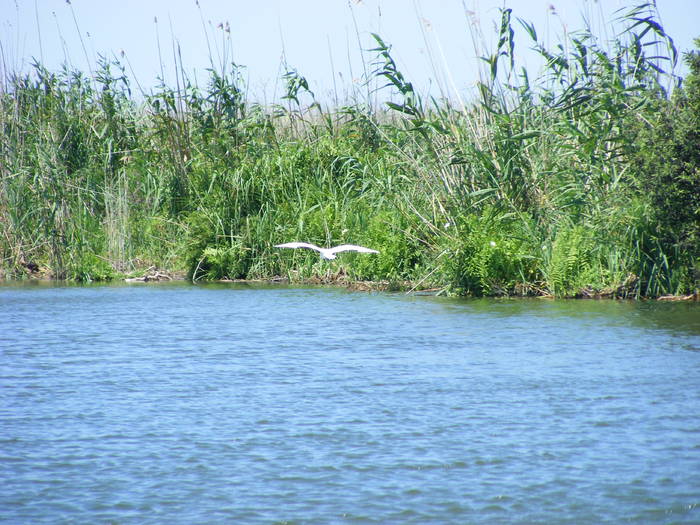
pixel 194 404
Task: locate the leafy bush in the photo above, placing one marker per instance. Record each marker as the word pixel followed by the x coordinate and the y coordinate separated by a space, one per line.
pixel 89 268
pixel 488 257
pixel 569 267
pixel 230 262
pixel 664 151
pixel 400 253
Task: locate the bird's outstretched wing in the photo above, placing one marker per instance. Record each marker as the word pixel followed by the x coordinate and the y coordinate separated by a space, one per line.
pixel 352 248
pixel 298 245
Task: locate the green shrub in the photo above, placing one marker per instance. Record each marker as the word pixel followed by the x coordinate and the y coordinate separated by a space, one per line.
pixel 231 262
pixel 664 152
pixel 89 268
pixel 400 252
pixel 488 257
pixel 569 268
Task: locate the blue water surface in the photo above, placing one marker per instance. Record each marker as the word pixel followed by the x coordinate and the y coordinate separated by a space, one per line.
pixel 174 403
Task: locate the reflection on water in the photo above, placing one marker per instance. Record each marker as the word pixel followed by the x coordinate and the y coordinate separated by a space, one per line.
pixel 179 403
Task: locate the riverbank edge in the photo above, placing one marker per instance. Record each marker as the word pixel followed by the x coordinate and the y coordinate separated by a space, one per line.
pixel 155 275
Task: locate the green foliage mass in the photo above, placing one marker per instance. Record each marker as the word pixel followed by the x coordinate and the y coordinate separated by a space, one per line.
pixel 489 254
pixel 664 152
pixel 582 181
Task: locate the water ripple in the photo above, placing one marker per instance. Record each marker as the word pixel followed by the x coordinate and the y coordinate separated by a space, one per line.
pixel 185 404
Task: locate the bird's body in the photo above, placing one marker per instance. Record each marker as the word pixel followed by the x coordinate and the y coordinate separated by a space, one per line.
pixel 327 253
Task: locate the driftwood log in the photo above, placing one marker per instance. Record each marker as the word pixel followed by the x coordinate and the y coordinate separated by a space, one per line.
pixel 153 276
pixel 692 297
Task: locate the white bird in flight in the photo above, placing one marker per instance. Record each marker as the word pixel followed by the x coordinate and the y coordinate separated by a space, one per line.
pixel 327 253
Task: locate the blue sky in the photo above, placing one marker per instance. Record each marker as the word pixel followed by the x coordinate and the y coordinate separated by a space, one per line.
pixel 433 40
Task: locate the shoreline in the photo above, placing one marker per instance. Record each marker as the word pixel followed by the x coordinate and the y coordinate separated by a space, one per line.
pixel 155 275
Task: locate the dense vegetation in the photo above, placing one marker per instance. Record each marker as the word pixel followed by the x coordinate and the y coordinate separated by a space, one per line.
pixel 584 181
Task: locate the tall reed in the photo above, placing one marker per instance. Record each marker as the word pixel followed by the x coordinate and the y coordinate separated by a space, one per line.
pixel 533 188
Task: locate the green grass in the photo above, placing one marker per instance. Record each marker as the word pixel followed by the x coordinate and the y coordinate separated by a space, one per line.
pixel 539 186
